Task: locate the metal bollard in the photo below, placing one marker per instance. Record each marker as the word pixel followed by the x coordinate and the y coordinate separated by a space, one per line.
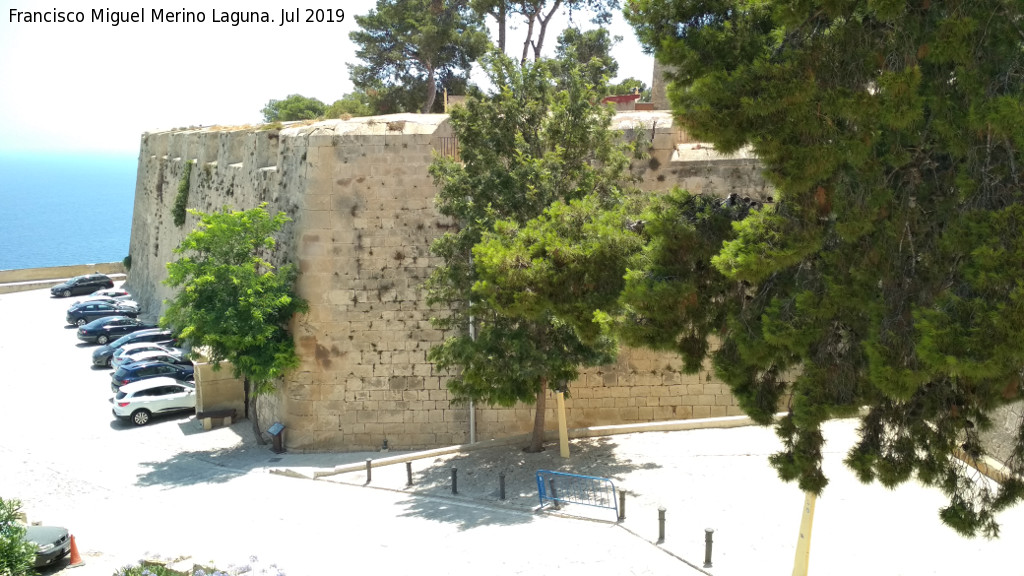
pixel 455 480
pixel 501 486
pixel 708 532
pixel 368 467
pixel 554 496
pixel 622 505
pixel 661 524
pixel 408 473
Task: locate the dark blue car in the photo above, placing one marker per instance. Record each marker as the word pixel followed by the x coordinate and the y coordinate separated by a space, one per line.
pixel 141 370
pixel 86 284
pixel 82 313
pixel 103 330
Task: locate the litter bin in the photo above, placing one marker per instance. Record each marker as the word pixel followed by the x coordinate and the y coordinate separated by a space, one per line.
pixel 277 434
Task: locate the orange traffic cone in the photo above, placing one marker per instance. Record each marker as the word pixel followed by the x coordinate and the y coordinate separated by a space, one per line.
pixel 76 558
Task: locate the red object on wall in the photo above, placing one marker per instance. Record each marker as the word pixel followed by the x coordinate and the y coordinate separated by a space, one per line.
pixel 620 99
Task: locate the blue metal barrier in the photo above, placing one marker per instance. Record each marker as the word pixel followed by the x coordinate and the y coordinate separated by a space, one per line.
pixel 561 487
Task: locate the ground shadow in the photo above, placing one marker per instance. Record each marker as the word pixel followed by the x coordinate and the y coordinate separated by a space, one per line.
pixel 213 466
pixel 478 481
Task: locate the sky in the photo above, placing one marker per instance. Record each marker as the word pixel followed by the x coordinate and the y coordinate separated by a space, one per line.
pixel 94 87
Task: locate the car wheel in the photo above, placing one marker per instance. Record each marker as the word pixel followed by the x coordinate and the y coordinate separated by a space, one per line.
pixel 67 293
pixel 81 322
pixel 140 417
pixel 102 339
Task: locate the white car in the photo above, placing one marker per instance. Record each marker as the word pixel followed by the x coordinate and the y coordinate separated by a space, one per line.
pixel 142 355
pixel 141 400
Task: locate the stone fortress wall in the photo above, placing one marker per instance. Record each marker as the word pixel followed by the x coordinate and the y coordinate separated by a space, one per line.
pixel 361 201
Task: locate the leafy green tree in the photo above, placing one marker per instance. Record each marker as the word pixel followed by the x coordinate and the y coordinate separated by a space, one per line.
pixel 887 276
pixel 17 555
pixel 294 107
pixel 591 49
pixel 353 104
pixel 410 46
pixel 630 86
pixel 233 303
pixel 525 147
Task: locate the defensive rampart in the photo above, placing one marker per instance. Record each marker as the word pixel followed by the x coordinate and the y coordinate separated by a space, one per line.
pixel 361 201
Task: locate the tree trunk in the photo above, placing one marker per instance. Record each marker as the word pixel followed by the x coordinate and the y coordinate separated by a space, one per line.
pixel 501 18
pixel 252 413
pixel 537 439
pixel 431 92
pixel 529 37
pixel 544 29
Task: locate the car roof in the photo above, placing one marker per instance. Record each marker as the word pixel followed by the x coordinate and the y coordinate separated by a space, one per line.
pixel 102 320
pixel 147 363
pixel 131 346
pixel 153 383
pixel 143 356
pixel 148 331
pixel 131 337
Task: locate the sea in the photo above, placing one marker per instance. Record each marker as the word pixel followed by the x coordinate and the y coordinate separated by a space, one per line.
pixel 60 209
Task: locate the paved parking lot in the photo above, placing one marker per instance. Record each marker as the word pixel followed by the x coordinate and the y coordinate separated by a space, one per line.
pixel 173 490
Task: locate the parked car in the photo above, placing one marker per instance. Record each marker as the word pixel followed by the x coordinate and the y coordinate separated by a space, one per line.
pixel 85 312
pixel 135 348
pixel 139 401
pixel 108 299
pixel 86 284
pixel 103 355
pixel 112 293
pixel 129 373
pixel 52 543
pixel 150 356
pixel 103 330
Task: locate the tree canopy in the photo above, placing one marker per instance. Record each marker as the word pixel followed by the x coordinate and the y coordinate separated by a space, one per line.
pixel 589 49
pixel 356 103
pixel 523 148
pixel 887 274
pixel 294 107
pixel 233 303
pixel 411 49
pixel 539 13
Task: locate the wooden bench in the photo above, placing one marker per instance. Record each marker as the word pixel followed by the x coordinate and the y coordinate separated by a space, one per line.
pixel 223 417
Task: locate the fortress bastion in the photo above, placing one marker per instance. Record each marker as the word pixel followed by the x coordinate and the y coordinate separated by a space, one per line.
pixel 362 208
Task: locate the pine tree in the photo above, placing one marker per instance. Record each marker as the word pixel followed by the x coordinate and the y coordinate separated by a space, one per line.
pixel 887 275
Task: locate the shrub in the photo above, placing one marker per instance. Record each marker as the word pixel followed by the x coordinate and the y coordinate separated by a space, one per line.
pixel 181 200
pixel 16 554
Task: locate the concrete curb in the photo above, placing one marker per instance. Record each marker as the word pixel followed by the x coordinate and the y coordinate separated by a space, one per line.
pixel 591 432
pixel 24 286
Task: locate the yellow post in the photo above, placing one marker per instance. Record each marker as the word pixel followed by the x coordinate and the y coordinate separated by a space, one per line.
pixel 803 545
pixel 563 432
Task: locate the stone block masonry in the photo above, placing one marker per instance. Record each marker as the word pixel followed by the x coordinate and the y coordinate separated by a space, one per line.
pixel 361 200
